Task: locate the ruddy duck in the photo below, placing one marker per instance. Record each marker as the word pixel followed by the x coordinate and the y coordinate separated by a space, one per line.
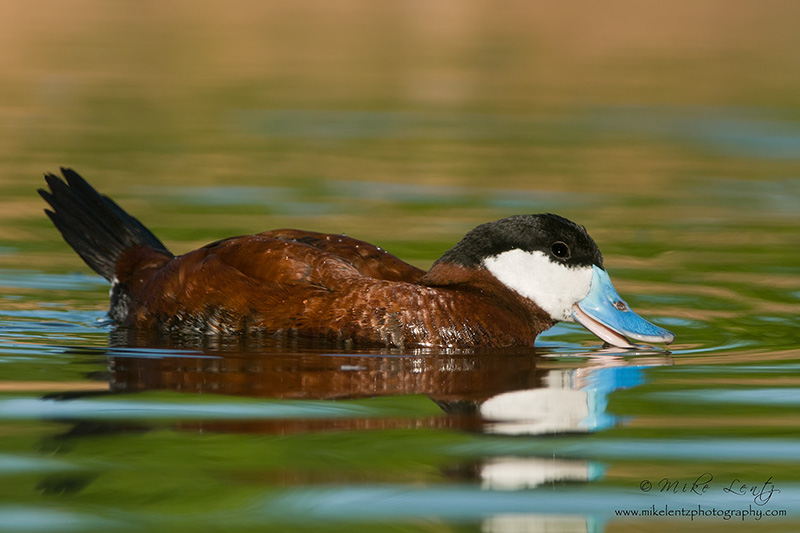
pixel 501 285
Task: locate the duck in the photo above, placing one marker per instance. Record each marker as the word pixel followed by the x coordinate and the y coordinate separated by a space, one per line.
pixel 501 285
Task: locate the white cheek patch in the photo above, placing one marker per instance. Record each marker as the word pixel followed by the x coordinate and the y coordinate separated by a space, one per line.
pixel 552 286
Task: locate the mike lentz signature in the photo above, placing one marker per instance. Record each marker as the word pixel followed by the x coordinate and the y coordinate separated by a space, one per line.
pixel 760 492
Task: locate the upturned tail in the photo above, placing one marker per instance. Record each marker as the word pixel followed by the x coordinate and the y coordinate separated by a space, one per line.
pixel 93 224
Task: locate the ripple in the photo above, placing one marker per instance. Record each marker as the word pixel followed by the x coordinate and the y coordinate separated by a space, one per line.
pixel 36 409
pixel 746 450
pixel 32 279
pixel 774 396
pixel 16 464
pixel 28 518
pixel 732 131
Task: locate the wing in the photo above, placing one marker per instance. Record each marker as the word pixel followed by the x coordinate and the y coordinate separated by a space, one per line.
pixel 370 260
pixel 273 278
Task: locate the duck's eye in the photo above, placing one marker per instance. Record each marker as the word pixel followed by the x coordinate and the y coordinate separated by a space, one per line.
pixel 560 250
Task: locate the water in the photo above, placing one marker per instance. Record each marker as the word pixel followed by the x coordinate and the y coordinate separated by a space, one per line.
pixel 408 126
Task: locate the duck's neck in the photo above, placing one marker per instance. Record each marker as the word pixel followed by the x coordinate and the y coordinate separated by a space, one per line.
pixel 516 319
pixel 448 274
pixel 479 280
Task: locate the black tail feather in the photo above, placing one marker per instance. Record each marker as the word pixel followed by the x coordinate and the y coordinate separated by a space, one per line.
pixel 96 227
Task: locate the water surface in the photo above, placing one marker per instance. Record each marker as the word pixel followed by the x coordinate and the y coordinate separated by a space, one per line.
pixel 677 147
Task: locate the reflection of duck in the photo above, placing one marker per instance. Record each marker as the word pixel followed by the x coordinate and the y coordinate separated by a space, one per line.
pixel 568 401
pixel 268 370
pixel 500 391
pixel 503 284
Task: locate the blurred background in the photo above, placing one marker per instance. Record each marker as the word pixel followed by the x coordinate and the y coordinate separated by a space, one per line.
pixel 671 130
pixel 350 115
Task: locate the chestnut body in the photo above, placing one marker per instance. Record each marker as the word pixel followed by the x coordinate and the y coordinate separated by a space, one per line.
pixel 319 285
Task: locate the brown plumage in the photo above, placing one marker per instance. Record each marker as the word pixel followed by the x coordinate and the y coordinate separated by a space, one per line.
pixel 292 282
pixel 313 284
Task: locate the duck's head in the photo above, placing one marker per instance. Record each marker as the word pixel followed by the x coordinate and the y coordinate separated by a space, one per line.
pixel 555 263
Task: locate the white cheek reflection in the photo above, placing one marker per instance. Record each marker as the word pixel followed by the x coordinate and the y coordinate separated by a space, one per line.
pixel 552 286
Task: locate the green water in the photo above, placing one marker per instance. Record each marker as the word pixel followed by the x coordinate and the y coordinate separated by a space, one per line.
pixel 671 133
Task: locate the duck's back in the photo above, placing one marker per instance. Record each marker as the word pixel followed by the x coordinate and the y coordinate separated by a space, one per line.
pixel 282 280
pixel 369 260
